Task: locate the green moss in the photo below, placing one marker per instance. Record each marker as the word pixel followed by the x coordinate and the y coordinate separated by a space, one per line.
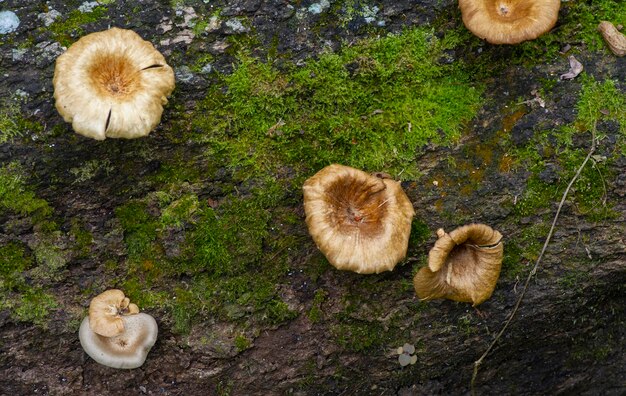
pixel 598 102
pixel 25 301
pixel 83 239
pixel 372 106
pixel 242 343
pixel 91 169
pixel 12 124
pixel 523 248
pixel 467 325
pixel 140 228
pixel 202 60
pixel 13 262
pixel 16 197
pixel 141 294
pixel 578 24
pixel 573 280
pixel 584 17
pixel 537 195
pixel 68 30
pixel 183 308
pixel 361 336
pixel 34 305
pixel 224 388
pixel 49 257
pixel 231 263
pixel 420 232
pixel 179 212
pixel 315 313
pixel 177 168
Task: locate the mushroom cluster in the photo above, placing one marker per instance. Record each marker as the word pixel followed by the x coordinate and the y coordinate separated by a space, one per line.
pixel 464 265
pixel 115 334
pixel 360 222
pixel 112 84
pixel 509 21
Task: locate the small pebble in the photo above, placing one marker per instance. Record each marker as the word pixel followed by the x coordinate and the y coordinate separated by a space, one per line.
pixel 235 26
pixel 408 348
pixel 184 74
pixel 206 69
pixel 8 22
pixel 88 6
pixel 400 350
pixel 49 17
pixel 404 359
pixel 369 13
pixel 318 8
pixel 18 54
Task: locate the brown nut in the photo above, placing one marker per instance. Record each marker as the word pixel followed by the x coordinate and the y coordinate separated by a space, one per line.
pixel 614 39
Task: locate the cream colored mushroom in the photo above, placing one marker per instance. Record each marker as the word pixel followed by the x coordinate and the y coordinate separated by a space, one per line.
pixel 106 312
pixel 127 350
pixel 112 84
pixel 464 265
pixel 360 222
pixel 509 21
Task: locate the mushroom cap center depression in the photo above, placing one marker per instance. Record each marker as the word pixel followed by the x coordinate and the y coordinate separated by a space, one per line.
pixel 510 9
pixel 114 75
pixel 355 205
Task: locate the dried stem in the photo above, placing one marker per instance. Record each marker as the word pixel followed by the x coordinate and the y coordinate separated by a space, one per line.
pixel 478 362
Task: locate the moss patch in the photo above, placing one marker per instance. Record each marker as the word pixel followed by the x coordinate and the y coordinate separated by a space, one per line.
pixel 25 302
pixel 599 102
pixel 12 124
pixel 600 105
pixel 577 24
pixel 71 28
pixel 230 262
pixel 16 197
pixel 372 106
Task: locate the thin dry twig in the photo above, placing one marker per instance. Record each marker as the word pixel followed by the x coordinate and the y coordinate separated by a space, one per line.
pixel 478 362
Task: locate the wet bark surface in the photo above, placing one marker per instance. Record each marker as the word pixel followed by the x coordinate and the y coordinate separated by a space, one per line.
pixel 568 336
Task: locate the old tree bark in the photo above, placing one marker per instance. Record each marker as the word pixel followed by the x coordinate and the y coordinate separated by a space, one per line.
pixel 73 210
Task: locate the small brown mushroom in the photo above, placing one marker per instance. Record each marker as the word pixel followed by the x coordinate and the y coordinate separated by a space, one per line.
pixel 509 21
pixel 112 84
pixel 106 312
pixel 464 265
pixel 360 222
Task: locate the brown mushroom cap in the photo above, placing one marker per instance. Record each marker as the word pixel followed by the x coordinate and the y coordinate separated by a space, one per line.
pixel 106 311
pixel 464 265
pixel 509 21
pixel 112 84
pixel 360 222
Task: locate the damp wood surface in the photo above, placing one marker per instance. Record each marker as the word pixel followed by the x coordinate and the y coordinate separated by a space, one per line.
pixel 201 223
